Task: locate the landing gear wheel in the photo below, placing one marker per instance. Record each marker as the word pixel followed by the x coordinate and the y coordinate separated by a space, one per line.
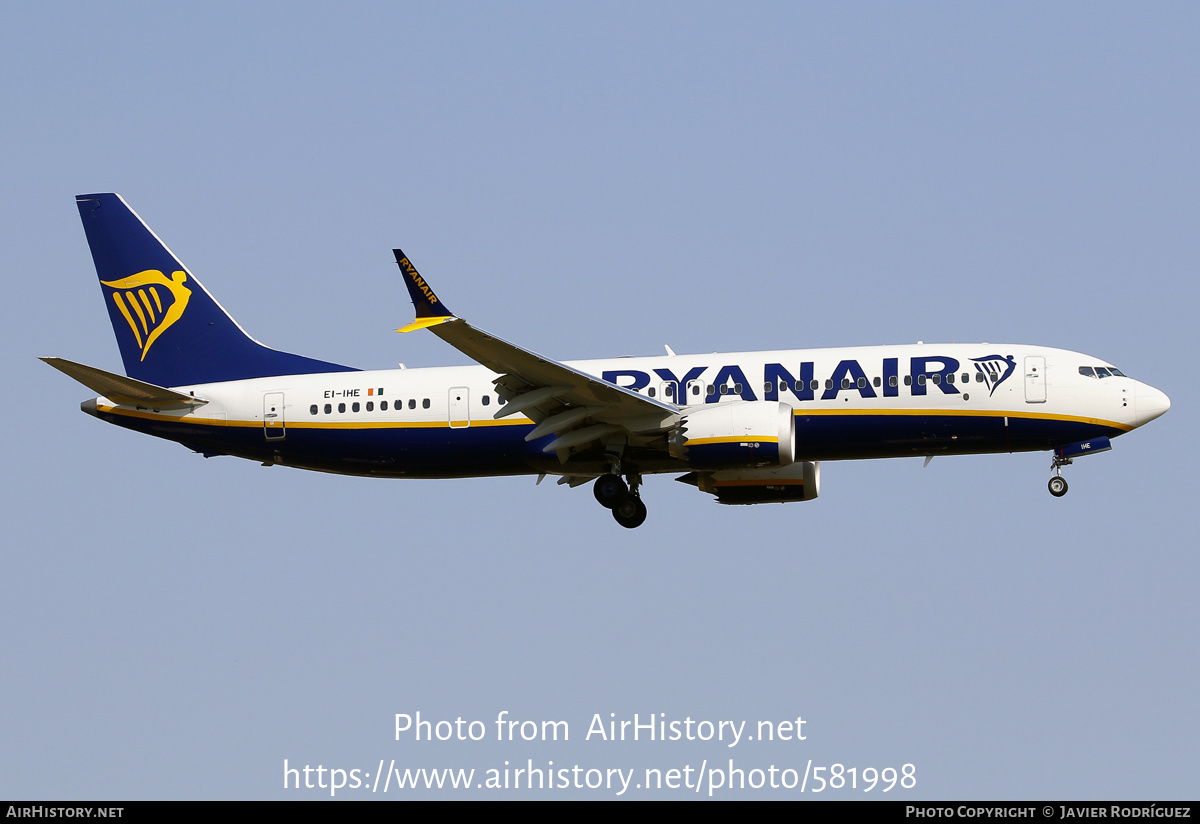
pixel 630 512
pixel 610 490
pixel 1058 486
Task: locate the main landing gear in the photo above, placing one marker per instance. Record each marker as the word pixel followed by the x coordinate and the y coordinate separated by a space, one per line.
pixel 1058 484
pixel 623 499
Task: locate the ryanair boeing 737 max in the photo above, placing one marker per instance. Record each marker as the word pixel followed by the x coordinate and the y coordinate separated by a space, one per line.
pixel 747 427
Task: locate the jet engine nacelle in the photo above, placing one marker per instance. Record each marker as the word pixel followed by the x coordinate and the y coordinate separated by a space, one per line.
pixel 798 482
pixel 734 435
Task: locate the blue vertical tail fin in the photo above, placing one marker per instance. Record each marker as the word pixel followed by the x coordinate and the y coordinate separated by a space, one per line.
pixel 170 330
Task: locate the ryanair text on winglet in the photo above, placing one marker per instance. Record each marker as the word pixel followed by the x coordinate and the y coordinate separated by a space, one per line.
pixel 419 281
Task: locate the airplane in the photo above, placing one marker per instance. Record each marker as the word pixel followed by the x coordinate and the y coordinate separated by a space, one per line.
pixel 745 427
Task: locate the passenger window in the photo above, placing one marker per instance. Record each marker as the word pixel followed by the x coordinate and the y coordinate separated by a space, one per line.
pixel 341 407
pixel 486 400
pixel 425 403
pixel 966 377
pixel 712 390
pixel 862 382
pixel 878 382
pixel 737 387
pixel 949 378
pixel 412 403
pixel 770 385
pixel 312 410
pixel 978 377
pixel 328 408
pixel 936 378
pixel 383 406
pixel 908 380
pixel 650 392
pixel 814 384
pixel 354 407
pixel 845 383
pixel 892 380
pixel 370 406
pixel 921 380
pixel 829 384
pixel 724 389
pixel 695 389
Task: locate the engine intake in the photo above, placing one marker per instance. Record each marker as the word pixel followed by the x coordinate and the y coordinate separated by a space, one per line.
pixel 740 434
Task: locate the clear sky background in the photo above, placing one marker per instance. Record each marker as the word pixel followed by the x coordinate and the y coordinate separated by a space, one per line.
pixel 590 180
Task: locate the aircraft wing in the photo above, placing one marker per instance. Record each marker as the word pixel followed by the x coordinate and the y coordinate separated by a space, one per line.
pixel 580 409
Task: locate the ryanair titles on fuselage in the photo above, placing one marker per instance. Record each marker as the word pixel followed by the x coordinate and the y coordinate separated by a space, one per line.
pixel 941 371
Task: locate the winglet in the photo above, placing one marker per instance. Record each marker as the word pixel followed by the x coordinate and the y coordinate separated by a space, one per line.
pixel 430 310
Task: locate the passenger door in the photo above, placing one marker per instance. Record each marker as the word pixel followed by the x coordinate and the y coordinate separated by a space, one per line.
pixel 274 428
pixel 1035 379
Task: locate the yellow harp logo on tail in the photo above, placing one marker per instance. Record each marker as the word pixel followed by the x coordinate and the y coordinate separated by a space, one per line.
pixel 150 302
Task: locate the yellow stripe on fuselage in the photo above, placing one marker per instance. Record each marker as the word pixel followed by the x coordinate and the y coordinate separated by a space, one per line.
pixel 521 421
pixel 199 421
pixel 969 413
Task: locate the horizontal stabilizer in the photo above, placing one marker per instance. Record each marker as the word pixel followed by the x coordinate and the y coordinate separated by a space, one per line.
pixel 122 389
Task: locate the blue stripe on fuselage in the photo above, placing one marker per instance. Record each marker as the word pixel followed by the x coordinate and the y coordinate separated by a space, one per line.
pixel 443 452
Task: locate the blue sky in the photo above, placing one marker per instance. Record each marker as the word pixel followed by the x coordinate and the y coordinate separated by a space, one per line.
pixel 593 180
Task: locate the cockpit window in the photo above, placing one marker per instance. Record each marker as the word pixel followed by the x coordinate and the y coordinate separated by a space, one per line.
pixel 1101 372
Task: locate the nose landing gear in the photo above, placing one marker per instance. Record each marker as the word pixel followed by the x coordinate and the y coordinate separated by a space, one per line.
pixel 1058 484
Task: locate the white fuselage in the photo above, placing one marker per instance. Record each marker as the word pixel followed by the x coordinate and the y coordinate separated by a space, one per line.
pixel 852 402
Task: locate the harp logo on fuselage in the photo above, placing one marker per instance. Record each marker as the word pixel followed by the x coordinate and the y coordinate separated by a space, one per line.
pixel 150 302
pixel 995 369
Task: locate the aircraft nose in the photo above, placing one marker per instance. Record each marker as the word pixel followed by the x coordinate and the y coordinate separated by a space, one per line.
pixel 1150 403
